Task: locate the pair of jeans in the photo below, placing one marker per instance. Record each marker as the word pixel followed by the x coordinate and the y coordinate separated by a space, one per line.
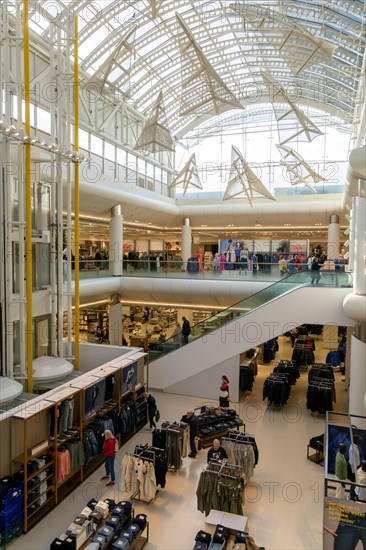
pixel 151 419
pixel 348 537
pixel 67 415
pixel 109 467
pixel 192 443
pixel 185 339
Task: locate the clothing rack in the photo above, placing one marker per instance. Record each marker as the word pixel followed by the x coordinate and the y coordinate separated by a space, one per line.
pixel 320 395
pixel 241 448
pixel 226 470
pixel 221 487
pixel 173 438
pixel 277 388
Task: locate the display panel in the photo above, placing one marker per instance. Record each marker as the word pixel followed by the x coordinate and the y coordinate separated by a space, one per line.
pixel 129 377
pixel 94 397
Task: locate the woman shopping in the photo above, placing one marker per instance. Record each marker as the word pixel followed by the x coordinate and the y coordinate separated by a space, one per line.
pixel 109 451
pixel 224 392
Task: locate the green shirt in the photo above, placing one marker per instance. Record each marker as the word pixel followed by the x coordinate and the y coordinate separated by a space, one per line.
pixel 341 466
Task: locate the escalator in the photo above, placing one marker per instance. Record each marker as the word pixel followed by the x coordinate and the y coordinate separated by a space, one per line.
pixel 271 312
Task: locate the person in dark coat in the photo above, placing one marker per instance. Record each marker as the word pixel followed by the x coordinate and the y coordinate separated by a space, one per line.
pixel 151 409
pixel 192 420
pixel 314 271
pixel 186 330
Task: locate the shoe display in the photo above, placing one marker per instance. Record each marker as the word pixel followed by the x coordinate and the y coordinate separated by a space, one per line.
pixel 104 477
pixel 109 484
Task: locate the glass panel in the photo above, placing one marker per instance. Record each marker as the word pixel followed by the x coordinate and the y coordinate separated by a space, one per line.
pixel 84 140
pixel 109 151
pixel 16 342
pixel 96 145
pixel 121 156
pixel 43 265
pixel 43 120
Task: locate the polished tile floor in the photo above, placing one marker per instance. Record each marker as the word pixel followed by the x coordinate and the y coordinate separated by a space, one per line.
pixel 284 499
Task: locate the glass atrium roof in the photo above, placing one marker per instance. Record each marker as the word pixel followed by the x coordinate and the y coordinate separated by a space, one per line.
pixel 210 56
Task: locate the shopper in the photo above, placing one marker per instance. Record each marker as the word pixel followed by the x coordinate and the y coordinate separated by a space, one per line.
pixel 314 271
pixel 192 420
pixel 216 453
pixel 282 264
pixel 109 451
pixel 151 409
pixel 186 330
pixel 177 335
pixel 224 392
pixel 341 471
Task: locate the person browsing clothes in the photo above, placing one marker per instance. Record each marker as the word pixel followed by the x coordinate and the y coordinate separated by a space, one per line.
pixel 109 451
pixel 216 453
pixel 151 409
pixel 192 420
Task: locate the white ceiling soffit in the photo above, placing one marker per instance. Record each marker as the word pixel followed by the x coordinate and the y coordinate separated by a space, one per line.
pixel 243 181
pixel 155 135
pixel 299 170
pixel 188 176
pixel 304 129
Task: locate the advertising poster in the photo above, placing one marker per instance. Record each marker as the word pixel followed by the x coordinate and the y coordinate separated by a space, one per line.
pixel 341 434
pixel 344 524
pixel 94 398
pixel 129 377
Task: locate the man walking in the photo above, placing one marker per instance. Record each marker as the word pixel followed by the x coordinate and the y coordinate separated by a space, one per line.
pixel 186 330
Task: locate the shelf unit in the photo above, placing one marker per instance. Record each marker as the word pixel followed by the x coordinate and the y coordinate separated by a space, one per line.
pixel 30 428
pixel 169 317
pixel 135 398
pixel 205 419
pixel 199 316
pixel 27 427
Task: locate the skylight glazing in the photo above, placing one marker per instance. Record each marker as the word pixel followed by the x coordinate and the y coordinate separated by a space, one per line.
pixel 317 47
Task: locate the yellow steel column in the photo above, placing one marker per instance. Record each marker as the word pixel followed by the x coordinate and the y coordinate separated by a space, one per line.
pixel 28 202
pixel 76 194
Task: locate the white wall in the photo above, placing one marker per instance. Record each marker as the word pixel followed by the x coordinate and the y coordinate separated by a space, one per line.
pixel 207 383
pixel 94 355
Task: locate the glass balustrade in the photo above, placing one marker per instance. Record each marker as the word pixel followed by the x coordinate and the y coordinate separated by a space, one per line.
pixel 268 272
pixel 286 284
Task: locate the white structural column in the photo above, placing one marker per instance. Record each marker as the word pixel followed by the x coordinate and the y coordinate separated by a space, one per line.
pixel 115 321
pixel 186 241
pixel 116 240
pixel 354 306
pixel 333 237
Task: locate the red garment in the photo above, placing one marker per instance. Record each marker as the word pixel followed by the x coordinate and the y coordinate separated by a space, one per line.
pixel 63 465
pixel 224 386
pixel 109 447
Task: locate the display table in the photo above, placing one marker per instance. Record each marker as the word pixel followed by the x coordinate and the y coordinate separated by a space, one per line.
pixel 232 521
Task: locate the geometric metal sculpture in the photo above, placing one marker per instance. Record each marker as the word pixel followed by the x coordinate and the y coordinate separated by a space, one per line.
pixel 243 181
pixel 203 90
pixel 188 176
pixel 98 80
pixel 297 46
pixel 299 170
pixel 304 130
pixel 155 135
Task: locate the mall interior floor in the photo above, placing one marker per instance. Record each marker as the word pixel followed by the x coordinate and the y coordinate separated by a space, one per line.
pixel 284 499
